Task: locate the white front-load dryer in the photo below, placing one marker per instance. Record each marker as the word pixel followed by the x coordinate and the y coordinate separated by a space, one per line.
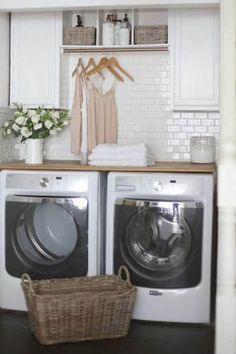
pixel 50 227
pixel 160 226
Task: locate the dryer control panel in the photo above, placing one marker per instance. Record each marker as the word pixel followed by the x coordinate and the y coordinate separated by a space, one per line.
pixel 44 181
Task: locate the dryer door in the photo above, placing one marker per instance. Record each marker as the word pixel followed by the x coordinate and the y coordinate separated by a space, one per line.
pixel 160 241
pixel 46 236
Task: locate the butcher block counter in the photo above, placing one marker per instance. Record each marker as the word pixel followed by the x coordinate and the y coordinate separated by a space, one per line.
pixel 59 165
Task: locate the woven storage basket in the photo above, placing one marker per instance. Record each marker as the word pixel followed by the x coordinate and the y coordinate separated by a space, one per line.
pixel 77 309
pixel 79 35
pixel 150 34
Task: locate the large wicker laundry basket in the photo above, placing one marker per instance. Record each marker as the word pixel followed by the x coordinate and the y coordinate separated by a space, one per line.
pixel 77 309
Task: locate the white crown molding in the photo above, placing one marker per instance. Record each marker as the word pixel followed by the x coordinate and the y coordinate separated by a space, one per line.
pixel 35 5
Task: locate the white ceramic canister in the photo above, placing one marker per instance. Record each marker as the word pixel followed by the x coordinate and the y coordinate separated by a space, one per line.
pixel 202 149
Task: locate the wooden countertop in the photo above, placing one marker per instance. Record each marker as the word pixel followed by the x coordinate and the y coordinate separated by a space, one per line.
pixel 61 165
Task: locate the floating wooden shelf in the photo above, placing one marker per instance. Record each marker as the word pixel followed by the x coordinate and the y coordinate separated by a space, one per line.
pixel 161 166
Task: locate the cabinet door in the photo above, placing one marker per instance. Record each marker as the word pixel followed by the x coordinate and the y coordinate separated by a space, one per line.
pixel 35 54
pixel 4 60
pixel 194 40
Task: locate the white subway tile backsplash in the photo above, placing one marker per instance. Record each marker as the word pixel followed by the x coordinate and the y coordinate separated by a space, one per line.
pixel 173 128
pixel 207 122
pixel 187 115
pixel 214 115
pixel 188 129
pixel 143 106
pixel 194 122
pixel 200 129
pixel 213 130
pixel 180 122
pixel 201 115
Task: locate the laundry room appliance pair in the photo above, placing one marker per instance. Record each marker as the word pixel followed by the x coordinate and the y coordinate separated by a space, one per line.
pixel 160 225
pixel 51 226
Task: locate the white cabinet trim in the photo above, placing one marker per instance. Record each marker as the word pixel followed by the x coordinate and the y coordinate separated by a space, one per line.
pixel 39 5
pixel 4 60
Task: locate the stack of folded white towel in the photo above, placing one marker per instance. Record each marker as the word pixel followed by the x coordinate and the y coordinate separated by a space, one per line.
pixel 121 155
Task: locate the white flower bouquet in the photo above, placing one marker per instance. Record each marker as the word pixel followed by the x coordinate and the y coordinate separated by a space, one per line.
pixel 38 123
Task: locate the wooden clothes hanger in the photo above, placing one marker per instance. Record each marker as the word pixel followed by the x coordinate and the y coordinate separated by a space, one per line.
pixel 79 63
pixel 91 62
pixel 114 61
pixel 104 64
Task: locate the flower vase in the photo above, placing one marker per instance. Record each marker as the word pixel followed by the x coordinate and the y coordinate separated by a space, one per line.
pixel 34 151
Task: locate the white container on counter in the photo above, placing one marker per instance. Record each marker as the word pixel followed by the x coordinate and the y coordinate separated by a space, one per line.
pixel 202 149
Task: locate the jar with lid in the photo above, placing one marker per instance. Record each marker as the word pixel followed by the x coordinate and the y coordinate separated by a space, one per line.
pixel 202 149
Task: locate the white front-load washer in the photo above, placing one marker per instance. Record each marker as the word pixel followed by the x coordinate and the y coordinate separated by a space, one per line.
pixel 50 227
pixel 160 226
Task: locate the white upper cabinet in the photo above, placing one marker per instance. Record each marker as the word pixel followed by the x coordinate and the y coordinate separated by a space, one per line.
pixel 4 60
pixel 35 58
pixel 194 41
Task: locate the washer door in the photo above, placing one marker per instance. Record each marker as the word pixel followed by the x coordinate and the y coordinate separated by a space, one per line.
pixel 46 236
pixel 160 242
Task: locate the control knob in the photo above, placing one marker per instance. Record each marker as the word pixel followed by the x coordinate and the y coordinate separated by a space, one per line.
pixel 158 186
pixel 44 182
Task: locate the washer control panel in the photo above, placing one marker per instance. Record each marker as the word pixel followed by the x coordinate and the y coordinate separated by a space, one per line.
pixel 171 185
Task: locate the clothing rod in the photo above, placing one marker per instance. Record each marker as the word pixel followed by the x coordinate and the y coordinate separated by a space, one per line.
pixel 114 50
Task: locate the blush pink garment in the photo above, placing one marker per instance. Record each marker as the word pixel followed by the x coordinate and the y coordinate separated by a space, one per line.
pixel 76 120
pixel 102 117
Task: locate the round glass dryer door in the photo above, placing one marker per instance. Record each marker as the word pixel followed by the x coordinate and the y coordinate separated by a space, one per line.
pixel 158 240
pixel 46 233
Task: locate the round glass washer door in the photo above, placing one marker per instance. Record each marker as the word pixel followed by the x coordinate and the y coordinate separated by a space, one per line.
pixel 156 240
pixel 46 233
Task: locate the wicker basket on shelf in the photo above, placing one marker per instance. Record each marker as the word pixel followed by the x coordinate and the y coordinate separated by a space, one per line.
pixel 77 309
pixel 151 34
pixel 79 35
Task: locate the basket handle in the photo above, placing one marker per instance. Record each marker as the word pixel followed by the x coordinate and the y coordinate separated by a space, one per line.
pixel 123 270
pixel 26 280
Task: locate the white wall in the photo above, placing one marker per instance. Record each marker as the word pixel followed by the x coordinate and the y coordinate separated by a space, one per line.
pixel 144 113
